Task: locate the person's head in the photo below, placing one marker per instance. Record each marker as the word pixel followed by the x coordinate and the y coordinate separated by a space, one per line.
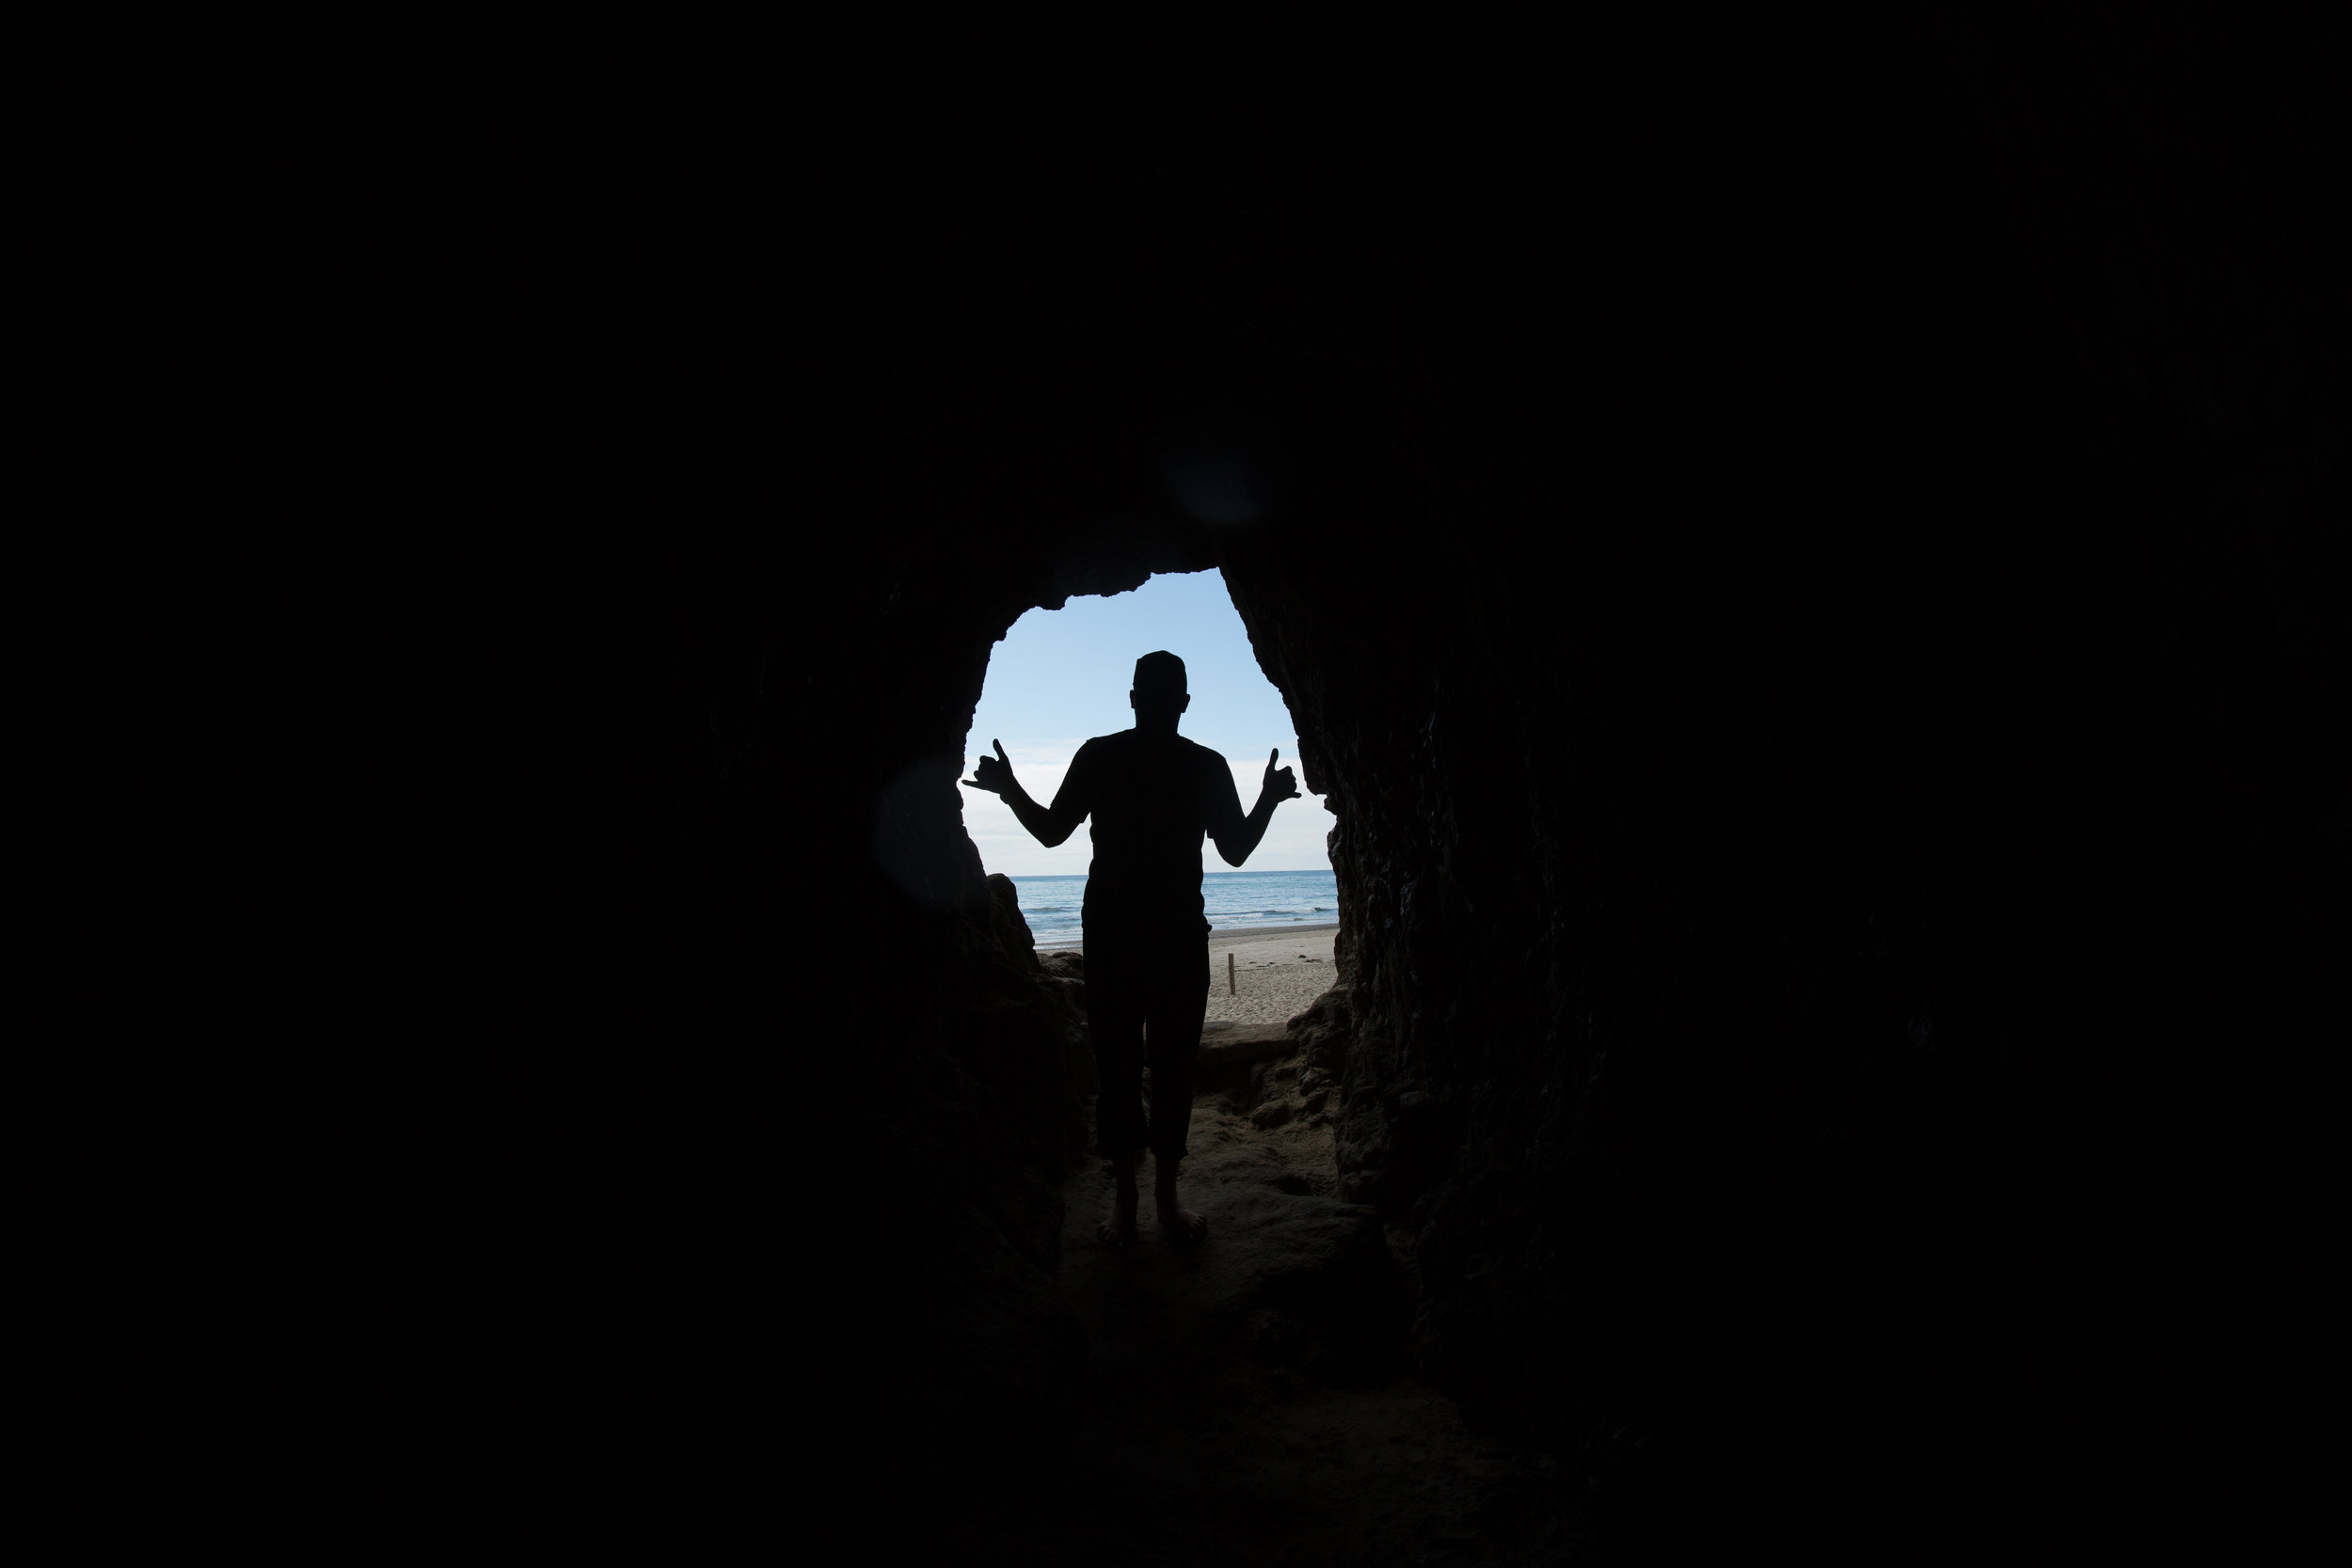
pixel 1159 694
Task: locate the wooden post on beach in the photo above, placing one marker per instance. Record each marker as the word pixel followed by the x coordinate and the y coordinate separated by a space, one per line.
pixel 1231 989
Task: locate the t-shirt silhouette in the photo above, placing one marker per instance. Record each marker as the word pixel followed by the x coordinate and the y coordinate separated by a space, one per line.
pixel 1153 799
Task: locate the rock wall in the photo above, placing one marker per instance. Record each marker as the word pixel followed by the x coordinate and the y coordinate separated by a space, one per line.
pixel 1781 773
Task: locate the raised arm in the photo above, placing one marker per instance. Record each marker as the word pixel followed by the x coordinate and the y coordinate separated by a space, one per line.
pixel 1236 836
pixel 1049 825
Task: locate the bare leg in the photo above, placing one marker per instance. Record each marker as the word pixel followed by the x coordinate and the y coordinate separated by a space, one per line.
pixel 1179 1220
pixel 1119 1229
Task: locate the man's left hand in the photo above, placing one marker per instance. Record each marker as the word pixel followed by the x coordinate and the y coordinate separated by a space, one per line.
pixel 1279 784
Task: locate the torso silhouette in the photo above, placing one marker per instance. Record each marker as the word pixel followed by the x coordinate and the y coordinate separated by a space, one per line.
pixel 1153 799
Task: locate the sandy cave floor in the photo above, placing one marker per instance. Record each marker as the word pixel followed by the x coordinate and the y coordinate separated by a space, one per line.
pixel 1215 1431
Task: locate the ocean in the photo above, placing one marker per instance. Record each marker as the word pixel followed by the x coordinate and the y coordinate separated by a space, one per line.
pixel 1231 899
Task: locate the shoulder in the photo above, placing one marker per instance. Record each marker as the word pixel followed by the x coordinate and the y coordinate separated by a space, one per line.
pixel 1095 752
pixel 1202 758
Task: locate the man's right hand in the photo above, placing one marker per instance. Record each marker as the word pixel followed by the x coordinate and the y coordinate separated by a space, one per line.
pixel 993 774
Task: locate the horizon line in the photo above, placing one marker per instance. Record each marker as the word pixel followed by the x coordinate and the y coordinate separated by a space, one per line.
pixel 1270 871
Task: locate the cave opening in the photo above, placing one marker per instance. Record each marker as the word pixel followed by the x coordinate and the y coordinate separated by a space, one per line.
pixel 1282 1333
pixel 1287 1331
pixel 1060 676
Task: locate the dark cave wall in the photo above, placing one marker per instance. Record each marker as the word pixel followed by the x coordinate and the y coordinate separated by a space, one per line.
pixel 1819 697
pixel 1778 799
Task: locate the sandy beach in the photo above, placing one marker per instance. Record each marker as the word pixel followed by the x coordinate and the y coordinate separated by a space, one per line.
pixel 1278 971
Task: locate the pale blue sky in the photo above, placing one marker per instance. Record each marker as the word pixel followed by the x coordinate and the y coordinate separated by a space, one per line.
pixel 1062 675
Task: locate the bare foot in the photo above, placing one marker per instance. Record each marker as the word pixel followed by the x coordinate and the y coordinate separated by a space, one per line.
pixel 1181 1223
pixel 1118 1229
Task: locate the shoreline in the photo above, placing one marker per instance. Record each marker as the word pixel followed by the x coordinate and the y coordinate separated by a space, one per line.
pixel 1227 935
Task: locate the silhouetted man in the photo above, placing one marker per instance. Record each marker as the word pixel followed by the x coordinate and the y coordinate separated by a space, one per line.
pixel 1153 794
